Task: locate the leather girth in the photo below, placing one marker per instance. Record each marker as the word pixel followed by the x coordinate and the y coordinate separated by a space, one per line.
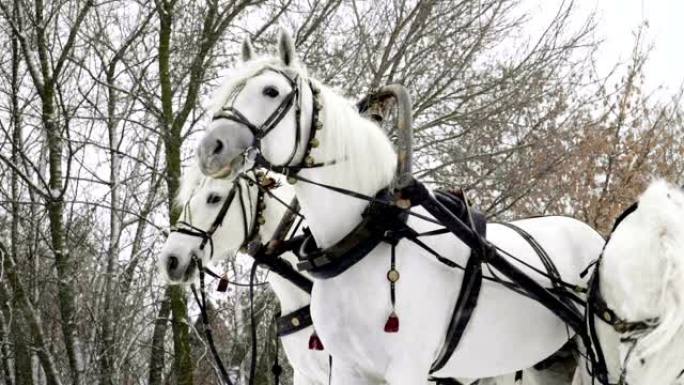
pixel 463 311
pixel 469 293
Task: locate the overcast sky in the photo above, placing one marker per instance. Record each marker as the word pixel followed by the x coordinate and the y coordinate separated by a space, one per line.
pixel 619 19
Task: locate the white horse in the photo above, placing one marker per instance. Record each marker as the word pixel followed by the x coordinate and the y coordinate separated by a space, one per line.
pixel 201 199
pixel 641 280
pixel 507 332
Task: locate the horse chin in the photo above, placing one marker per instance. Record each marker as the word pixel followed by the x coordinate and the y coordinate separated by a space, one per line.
pixel 230 170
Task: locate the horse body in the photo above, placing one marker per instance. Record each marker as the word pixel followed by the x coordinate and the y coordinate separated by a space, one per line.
pixel 507 331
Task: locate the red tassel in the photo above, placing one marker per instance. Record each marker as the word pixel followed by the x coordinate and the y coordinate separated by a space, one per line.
pixel 315 342
pixel 392 324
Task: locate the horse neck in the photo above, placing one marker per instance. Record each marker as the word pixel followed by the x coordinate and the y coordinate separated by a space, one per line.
pixel 366 163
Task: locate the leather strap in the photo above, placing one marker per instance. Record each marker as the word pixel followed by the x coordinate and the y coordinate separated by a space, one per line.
pixel 378 221
pixel 465 304
pixel 293 322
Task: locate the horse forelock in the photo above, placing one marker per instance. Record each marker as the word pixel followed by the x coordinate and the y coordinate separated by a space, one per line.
pixel 243 71
pixel 190 181
pixel 193 181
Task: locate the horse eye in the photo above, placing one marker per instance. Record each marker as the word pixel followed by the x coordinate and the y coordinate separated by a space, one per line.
pixel 213 199
pixel 271 92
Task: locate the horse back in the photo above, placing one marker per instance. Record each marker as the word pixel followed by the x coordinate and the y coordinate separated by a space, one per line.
pixel 570 244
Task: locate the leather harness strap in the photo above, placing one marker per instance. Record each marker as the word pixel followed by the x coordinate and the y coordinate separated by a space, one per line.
pixel 293 322
pixel 378 224
pixel 465 304
pixel 469 292
pixel 388 224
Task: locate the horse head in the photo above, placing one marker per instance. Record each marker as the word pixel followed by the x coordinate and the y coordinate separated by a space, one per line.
pixel 266 105
pixel 218 218
pixel 642 280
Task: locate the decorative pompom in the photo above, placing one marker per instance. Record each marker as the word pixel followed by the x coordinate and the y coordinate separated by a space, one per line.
pixel 315 342
pixel 392 324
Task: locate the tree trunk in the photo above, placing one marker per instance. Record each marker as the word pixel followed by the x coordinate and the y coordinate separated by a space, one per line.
pixel 157 352
pixel 66 272
pixel 183 365
pixel 23 373
pixel 107 343
pixel 30 317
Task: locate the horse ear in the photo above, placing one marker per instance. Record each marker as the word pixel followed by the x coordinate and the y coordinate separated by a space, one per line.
pixel 286 48
pixel 247 50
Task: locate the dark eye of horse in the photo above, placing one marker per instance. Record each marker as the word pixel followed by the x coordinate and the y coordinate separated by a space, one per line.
pixel 271 92
pixel 213 199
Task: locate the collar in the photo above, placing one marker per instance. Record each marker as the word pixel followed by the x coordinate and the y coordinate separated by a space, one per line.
pixel 378 223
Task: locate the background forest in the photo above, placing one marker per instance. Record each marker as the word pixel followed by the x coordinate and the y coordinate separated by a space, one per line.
pixel 101 101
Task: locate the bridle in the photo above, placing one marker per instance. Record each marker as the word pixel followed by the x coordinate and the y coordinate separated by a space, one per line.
pixel 292 100
pixel 250 230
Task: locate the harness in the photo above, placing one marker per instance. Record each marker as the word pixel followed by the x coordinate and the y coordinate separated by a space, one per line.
pixel 384 221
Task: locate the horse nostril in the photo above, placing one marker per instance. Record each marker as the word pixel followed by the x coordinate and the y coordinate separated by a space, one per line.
pixel 218 147
pixel 173 262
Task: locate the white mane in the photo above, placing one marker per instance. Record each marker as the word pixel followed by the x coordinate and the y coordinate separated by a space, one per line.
pixel 362 149
pixel 644 267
